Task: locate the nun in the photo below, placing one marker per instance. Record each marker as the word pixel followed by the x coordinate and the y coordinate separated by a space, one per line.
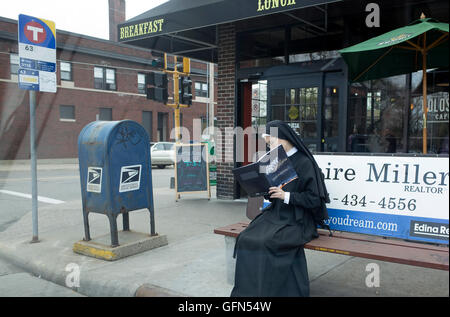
pixel 270 256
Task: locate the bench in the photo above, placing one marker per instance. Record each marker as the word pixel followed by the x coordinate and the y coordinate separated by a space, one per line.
pixel 360 245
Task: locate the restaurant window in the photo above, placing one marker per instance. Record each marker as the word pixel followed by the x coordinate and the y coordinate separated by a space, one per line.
pixel 14 62
pixel 105 78
pixel 438 113
pixel 259 103
pixel 141 83
pixel 331 117
pixel 375 115
pixel 66 71
pixel 298 107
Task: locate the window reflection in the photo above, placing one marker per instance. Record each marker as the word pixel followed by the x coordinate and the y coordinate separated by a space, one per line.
pixel 375 115
pixel 438 112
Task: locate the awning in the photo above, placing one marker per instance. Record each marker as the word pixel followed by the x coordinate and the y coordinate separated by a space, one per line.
pixel 188 27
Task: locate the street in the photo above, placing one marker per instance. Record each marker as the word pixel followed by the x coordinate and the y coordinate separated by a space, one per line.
pixel 55 186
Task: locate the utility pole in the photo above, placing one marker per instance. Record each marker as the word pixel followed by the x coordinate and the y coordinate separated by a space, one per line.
pixel 156 87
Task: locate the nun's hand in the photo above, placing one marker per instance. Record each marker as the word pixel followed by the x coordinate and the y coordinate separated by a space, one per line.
pixel 276 192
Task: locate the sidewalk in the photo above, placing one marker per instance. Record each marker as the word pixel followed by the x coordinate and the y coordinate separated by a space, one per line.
pixel 193 263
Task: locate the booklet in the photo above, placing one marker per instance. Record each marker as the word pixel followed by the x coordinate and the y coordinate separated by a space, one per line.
pixel 273 169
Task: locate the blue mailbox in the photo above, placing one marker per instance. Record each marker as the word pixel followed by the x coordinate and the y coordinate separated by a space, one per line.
pixel 115 172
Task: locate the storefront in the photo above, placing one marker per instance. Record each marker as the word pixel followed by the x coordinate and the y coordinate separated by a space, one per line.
pixel 280 60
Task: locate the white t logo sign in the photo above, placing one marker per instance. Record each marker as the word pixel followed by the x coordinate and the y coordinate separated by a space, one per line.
pixel 35 31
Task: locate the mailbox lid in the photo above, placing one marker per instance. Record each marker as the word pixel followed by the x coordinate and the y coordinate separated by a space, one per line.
pixel 92 142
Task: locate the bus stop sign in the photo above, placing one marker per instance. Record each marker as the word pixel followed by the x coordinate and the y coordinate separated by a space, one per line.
pixel 37 54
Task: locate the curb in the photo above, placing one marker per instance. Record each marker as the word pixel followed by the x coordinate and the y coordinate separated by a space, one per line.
pixel 90 285
pixel 148 290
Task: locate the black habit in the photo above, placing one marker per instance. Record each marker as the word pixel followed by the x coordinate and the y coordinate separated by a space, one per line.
pixel 270 257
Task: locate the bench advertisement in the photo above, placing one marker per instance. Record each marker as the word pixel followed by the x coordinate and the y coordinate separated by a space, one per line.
pixel 393 196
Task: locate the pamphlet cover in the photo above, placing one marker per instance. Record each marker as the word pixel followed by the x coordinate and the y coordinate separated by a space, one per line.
pixel 272 170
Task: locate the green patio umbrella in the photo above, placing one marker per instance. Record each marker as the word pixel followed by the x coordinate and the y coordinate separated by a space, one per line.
pixel 420 45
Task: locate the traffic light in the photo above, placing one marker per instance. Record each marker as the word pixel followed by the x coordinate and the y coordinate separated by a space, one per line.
pixel 179 63
pixel 186 91
pixel 156 87
pixel 158 63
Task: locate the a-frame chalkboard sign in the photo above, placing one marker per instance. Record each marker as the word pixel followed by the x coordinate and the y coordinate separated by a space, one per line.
pixel 191 169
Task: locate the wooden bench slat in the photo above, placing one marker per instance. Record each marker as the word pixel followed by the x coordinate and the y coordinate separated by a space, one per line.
pixel 232 230
pixel 365 246
pixel 377 239
pixel 392 253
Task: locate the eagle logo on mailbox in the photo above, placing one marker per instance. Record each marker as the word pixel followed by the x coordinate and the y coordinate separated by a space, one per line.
pixel 94 180
pixel 130 178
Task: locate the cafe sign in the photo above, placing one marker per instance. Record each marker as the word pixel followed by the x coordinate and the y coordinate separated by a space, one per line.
pixel 438 107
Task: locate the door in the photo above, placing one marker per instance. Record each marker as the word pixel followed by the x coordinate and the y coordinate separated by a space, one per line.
pixel 253 115
pixel 162 126
pixel 311 104
pixel 296 100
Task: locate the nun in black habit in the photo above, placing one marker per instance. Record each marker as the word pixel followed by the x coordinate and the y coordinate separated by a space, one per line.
pixel 270 258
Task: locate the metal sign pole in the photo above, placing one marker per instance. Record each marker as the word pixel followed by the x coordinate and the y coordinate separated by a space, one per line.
pixel 37 72
pixel 34 210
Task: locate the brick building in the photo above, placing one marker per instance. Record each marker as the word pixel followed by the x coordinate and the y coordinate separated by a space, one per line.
pixel 96 80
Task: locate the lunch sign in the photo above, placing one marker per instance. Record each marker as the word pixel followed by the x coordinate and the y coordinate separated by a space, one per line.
pixel 395 196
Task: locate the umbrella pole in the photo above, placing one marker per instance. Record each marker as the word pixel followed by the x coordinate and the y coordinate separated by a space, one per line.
pixel 424 94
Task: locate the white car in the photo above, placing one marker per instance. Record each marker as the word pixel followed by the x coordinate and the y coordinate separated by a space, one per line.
pixel 163 154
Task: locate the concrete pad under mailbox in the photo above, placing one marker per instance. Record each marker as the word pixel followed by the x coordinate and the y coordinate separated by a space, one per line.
pixel 131 243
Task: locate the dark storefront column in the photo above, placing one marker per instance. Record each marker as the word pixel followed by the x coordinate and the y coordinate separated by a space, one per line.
pixel 226 110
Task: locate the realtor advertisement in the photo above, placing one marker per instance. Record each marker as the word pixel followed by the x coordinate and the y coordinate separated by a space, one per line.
pixel 395 196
